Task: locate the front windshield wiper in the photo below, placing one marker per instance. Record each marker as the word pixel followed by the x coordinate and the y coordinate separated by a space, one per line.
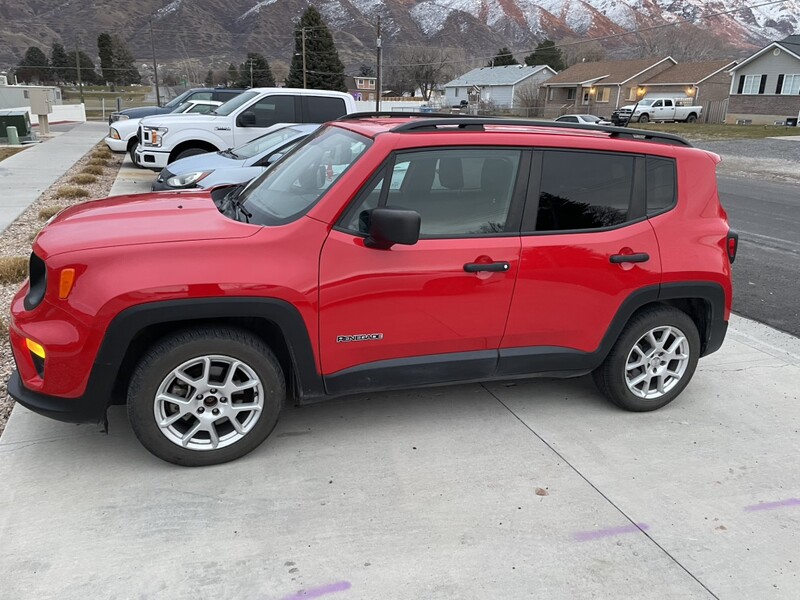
pixel 229 152
pixel 233 201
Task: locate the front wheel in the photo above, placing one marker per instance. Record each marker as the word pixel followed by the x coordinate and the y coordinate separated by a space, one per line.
pixel 205 396
pixel 652 361
pixel 644 119
pixel 191 152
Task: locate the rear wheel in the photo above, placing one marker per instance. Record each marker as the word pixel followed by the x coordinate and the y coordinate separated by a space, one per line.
pixel 652 361
pixel 691 118
pixel 206 396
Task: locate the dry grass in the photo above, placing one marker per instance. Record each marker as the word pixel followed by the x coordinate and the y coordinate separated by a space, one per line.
pixel 705 131
pixel 92 170
pixel 3 328
pixel 83 179
pixel 50 211
pixel 71 191
pixel 13 269
pixel 102 155
pixel 6 152
pixel 97 162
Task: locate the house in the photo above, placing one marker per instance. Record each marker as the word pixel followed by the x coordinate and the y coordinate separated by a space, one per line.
pixel 765 87
pixel 600 87
pixel 361 87
pixel 495 85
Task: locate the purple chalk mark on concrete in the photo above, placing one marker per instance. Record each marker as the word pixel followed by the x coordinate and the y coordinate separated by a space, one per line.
pixel 585 536
pixel 773 505
pixel 331 588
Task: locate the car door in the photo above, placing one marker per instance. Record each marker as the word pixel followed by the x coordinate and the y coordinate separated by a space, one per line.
pixel 433 311
pixel 587 246
pixel 256 118
pixel 668 112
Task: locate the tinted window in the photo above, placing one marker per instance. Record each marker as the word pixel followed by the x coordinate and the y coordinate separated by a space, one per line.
pixel 320 109
pixel 224 96
pixel 234 103
pixel 272 110
pixel 456 192
pixel 200 96
pixel 660 184
pixel 584 190
pixel 568 119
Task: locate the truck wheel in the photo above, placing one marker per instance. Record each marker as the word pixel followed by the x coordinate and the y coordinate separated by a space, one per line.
pixel 132 144
pixel 652 361
pixel 205 396
pixel 691 118
pixel 645 118
pixel 190 152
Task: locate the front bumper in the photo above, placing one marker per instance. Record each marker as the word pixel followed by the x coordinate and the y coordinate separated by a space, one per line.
pixel 151 159
pixel 88 408
pixel 116 145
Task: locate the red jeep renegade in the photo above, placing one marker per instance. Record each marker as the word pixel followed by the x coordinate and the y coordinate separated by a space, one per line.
pixel 384 252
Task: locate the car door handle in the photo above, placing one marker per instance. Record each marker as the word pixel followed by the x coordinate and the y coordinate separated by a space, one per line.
pixel 494 267
pixel 630 258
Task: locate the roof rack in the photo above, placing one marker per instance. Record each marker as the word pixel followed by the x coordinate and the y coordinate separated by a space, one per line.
pixel 432 121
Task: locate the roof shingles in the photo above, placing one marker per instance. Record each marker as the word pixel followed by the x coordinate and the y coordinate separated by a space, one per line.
pixel 612 72
pixel 506 75
pixel 689 73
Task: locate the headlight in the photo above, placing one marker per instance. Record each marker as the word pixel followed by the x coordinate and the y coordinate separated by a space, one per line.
pixel 156 135
pixel 187 179
pixel 119 117
pixel 113 133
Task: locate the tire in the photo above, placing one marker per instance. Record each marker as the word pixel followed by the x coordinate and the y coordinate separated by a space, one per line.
pixel 190 152
pixel 645 118
pixel 613 376
pixel 692 118
pixel 132 151
pixel 205 357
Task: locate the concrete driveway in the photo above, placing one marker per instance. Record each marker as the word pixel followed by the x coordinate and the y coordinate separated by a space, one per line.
pixel 532 489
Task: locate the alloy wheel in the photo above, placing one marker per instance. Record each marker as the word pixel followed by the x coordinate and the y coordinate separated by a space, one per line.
pixel 657 362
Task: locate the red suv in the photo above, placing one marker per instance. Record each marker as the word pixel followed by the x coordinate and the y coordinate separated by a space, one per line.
pixel 384 252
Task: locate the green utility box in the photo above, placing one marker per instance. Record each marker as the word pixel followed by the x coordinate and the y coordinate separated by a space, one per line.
pixel 18 119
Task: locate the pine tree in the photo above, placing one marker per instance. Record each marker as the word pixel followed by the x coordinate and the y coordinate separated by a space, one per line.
pixel 324 70
pixel 88 75
pixel 60 67
pixel 105 47
pixel 503 58
pixel 34 67
pixel 546 53
pixel 366 71
pixel 261 73
pixel 125 72
pixel 233 75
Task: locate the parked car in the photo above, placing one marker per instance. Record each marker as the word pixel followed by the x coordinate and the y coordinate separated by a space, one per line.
pixel 167 139
pixel 123 135
pixel 221 95
pixel 585 119
pixel 659 109
pixel 234 165
pixel 381 253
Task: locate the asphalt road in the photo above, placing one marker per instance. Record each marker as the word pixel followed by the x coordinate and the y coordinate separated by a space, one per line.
pixel 766 274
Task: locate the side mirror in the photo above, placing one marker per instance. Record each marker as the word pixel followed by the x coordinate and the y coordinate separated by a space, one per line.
pixel 390 226
pixel 272 158
pixel 246 119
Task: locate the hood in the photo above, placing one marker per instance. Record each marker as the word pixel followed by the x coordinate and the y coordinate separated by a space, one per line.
pixel 145 111
pixel 203 162
pixel 230 176
pixel 138 219
pixel 186 119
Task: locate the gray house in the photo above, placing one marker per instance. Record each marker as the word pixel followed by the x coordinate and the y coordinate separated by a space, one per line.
pixel 766 86
pixel 496 85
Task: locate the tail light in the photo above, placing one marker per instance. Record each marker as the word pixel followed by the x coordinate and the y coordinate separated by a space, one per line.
pixel 732 245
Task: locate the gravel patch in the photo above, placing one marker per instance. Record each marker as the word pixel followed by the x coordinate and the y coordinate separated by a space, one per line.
pixel 17 239
pixel 770 159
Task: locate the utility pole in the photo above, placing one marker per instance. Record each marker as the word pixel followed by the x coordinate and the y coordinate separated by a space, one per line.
pixel 305 77
pixel 378 71
pixel 251 72
pixel 78 69
pixel 155 64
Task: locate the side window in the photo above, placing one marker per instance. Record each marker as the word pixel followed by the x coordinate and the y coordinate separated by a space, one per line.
pixel 200 96
pixel 668 103
pixel 320 109
pixel 661 186
pixel 584 190
pixel 657 104
pixel 272 110
pixel 202 108
pixel 456 192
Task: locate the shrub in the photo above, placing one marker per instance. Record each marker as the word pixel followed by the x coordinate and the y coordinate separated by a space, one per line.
pixel 71 191
pixel 92 170
pixel 46 213
pixel 83 179
pixel 97 162
pixel 13 269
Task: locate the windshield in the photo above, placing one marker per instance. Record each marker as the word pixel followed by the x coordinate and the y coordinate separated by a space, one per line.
pixel 177 100
pixel 265 142
pixel 234 103
pixel 298 181
pixel 645 102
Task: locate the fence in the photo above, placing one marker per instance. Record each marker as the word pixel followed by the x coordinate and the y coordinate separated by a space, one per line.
pixel 715 112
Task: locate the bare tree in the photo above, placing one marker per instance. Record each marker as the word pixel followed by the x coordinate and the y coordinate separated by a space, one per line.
pixel 577 50
pixel 684 43
pixel 420 67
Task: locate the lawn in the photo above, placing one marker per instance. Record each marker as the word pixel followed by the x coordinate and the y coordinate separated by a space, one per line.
pixel 702 131
pixel 6 152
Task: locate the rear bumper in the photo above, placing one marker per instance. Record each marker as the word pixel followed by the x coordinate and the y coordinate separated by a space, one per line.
pixel 89 408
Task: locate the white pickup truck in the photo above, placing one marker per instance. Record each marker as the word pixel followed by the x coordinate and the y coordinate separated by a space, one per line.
pixel 660 109
pixel 165 138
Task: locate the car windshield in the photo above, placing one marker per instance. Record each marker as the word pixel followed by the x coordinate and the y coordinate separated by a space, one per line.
pixel 265 142
pixel 301 178
pixel 645 102
pixel 234 103
pixel 178 100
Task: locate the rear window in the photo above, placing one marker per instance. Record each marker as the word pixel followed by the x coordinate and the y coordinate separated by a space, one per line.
pixel 321 109
pixel 661 186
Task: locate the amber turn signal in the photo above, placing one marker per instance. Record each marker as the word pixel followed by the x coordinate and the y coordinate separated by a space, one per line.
pixel 65 283
pixel 37 349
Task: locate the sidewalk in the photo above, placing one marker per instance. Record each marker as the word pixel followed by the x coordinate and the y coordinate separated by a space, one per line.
pixel 536 488
pixel 24 176
pixel 132 180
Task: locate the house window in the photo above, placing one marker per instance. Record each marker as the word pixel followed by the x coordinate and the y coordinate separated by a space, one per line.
pixel 550 93
pixel 630 93
pixel 25 94
pixel 371 84
pixel 603 94
pixel 456 94
pixel 750 84
pixel 571 93
pixel 586 94
pixel 791 85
